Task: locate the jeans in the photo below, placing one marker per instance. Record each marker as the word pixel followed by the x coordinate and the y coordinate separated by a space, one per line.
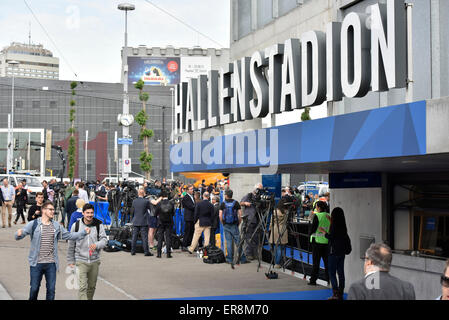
pixel 337 266
pixel 19 213
pixel 280 252
pixel 36 273
pixel 144 235
pixel 232 235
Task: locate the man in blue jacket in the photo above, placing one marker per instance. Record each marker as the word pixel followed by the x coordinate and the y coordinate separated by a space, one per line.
pixel 43 257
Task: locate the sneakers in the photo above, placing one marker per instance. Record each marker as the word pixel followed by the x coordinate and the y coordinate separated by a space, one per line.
pixel 311 283
pixel 133 253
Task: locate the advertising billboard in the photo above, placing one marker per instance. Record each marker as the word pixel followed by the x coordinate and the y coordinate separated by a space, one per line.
pixel 154 71
pixel 192 67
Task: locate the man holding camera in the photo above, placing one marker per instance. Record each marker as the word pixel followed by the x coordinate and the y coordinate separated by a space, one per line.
pixel 250 222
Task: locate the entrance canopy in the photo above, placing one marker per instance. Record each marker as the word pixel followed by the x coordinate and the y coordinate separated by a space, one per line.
pixel 405 137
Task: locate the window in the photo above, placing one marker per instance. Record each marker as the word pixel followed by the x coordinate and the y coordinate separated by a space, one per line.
pixel 19 104
pixel 106 124
pixel 264 12
pixel 421 218
pixel 286 6
pixel 55 129
pixel 36 104
pixel 53 105
pixel 244 18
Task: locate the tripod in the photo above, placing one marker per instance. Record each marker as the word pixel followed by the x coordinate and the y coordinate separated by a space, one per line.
pixel 286 227
pixel 263 215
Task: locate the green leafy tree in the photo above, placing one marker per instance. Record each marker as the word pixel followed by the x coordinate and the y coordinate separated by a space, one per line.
pixel 145 134
pixel 305 116
pixel 72 141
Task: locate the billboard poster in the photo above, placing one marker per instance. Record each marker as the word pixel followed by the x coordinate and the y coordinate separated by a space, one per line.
pixel 192 67
pixel 154 71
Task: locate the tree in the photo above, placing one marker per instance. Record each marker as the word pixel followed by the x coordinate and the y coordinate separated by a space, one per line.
pixel 72 140
pixel 145 134
pixel 305 116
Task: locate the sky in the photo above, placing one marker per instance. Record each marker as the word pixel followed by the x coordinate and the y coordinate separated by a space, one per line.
pixel 90 33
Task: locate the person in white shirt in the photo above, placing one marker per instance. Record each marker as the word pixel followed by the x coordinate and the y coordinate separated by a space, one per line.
pixel 82 193
pixel 9 195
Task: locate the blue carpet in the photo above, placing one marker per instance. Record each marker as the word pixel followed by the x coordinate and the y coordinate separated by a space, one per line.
pixel 296 295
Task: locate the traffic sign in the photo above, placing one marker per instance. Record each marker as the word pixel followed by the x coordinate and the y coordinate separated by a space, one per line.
pixel 125 141
pixel 127 166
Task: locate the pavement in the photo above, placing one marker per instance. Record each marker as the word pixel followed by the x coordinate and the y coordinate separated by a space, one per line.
pixel 126 277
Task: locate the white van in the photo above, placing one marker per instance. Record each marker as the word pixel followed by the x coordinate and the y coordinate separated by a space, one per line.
pixel 33 184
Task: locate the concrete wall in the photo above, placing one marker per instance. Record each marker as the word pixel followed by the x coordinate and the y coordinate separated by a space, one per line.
pixel 423 273
pixel 242 184
pixel 363 212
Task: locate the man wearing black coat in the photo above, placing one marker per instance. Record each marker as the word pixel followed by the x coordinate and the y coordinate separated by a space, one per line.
pixel 139 210
pixel 204 212
pixel 188 203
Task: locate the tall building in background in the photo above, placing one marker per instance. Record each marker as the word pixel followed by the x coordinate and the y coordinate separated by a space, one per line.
pixel 35 62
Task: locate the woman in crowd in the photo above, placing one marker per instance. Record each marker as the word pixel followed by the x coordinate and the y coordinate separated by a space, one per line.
pixel 339 245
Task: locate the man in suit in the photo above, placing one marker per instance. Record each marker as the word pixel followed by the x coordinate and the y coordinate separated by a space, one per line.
pixel 188 203
pixel 378 284
pixel 140 209
pixel 204 211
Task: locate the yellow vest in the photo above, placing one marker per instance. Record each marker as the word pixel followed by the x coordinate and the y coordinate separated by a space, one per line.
pixel 324 223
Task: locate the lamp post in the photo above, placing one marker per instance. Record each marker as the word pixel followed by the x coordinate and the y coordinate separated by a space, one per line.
pixel 172 135
pixel 10 155
pixel 125 148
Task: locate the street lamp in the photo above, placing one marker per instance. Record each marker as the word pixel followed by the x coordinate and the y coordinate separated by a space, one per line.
pixel 125 148
pixel 172 136
pixel 11 127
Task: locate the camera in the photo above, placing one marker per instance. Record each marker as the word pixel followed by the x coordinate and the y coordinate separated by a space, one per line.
pixel 262 198
pixel 57 187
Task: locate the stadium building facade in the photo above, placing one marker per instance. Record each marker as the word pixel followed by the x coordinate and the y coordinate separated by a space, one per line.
pixel 384 140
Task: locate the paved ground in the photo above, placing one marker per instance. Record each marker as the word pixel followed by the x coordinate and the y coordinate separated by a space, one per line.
pixel 123 276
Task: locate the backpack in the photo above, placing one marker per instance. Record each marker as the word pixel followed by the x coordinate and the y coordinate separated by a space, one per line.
pixel 348 247
pixel 230 215
pixel 166 211
pixel 113 246
pixel 212 255
pixel 96 224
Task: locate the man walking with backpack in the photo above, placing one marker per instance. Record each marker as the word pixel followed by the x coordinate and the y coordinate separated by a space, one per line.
pixel 204 212
pixel 165 210
pixel 85 253
pixel 231 217
pixel 43 257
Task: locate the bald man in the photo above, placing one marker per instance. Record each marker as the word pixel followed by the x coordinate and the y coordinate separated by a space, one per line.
pixel 140 209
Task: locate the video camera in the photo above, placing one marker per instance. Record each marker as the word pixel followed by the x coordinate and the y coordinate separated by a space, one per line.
pixel 262 198
pixel 57 187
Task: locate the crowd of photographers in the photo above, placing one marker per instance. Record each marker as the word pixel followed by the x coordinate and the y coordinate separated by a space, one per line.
pixel 150 210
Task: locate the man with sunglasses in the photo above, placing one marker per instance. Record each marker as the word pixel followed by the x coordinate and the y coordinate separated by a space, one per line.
pixel 445 283
pixel 43 258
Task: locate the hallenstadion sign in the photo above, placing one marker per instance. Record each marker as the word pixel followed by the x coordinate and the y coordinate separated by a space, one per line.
pixel 362 53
